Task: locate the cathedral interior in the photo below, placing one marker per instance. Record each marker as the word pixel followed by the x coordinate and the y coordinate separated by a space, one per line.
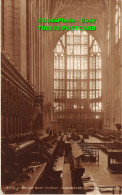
pixel 61 98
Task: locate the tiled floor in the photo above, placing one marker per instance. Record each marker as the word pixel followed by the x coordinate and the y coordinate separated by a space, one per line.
pixel 99 172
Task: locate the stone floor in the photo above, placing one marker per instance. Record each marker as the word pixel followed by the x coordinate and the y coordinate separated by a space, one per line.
pixel 93 140
pixel 99 172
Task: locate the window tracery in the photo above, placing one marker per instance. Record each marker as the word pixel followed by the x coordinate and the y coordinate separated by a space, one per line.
pixel 77 69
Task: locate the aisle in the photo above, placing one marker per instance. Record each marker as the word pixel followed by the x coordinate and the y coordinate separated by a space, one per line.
pixel 93 140
pixel 100 173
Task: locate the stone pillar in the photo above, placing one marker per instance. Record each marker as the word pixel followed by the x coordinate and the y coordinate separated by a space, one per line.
pixel 23 38
pixel 9 28
pixel 31 42
pixel 36 46
pixel 111 63
pixel 121 65
pixel 40 49
pixel 17 37
pixel 104 84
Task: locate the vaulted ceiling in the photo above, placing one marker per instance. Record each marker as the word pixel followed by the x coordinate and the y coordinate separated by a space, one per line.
pixel 100 10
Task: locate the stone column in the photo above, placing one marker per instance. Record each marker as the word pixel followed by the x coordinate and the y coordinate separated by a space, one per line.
pixel 40 49
pixel 23 38
pixel 111 70
pixel 17 37
pixel 121 65
pixel 36 46
pixel 9 28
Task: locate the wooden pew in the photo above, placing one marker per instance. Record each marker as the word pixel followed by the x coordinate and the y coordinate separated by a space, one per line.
pixel 115 161
pixel 89 185
pixel 76 150
pixel 91 188
pixel 77 154
pixel 67 180
pixel 52 150
pixel 27 187
pixel 58 166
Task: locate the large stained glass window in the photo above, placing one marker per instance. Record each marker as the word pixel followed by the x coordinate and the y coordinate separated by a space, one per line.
pixel 77 73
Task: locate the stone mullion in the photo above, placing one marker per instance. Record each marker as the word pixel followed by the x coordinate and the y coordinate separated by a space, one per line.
pixel 51 75
pixel 104 81
pixel 111 73
pixel 45 71
pixel 88 74
pixel 65 64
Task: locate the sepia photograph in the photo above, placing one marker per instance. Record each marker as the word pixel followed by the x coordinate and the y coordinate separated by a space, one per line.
pixel 61 97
